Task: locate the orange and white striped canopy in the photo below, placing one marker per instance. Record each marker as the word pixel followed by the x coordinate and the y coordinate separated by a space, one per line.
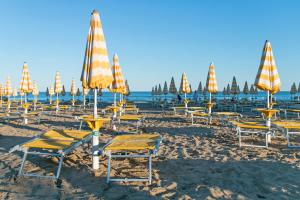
pixel 8 89
pixel 57 85
pixel 51 91
pixel 118 83
pixel 267 77
pixel 211 81
pixel 96 72
pixel 35 91
pixel 184 85
pixel 2 90
pixel 73 88
pixel 26 85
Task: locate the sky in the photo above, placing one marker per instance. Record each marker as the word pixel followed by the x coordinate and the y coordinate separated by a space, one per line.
pixel 154 39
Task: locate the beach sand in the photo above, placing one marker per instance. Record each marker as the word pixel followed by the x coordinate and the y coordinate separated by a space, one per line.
pixel 194 162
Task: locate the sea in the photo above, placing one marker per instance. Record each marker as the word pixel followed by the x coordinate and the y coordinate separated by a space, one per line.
pixel 147 97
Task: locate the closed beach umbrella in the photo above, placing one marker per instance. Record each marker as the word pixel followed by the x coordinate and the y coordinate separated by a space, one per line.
pixel 200 88
pixel 118 83
pixel 165 89
pixel 238 89
pixel 267 78
pixel 234 87
pixel 35 93
pixel 211 83
pixel 57 88
pixel 8 92
pixel 155 90
pixel 152 93
pixel 26 85
pixel 224 92
pixel 184 88
pixel 293 90
pixel 96 73
pixel 246 89
pixel 78 93
pixel 63 92
pixel 85 92
pixel 191 89
pixel 172 87
pixel 127 92
pixel 15 93
pixel 159 90
pixel 73 91
pixel 228 90
pixel 51 93
pixel 2 93
pixel 298 91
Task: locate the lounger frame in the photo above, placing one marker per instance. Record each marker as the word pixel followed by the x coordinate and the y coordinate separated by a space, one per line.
pixel 240 131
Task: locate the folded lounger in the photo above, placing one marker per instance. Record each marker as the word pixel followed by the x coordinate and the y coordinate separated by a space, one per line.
pixel 290 128
pixel 57 143
pixel 244 129
pixel 132 146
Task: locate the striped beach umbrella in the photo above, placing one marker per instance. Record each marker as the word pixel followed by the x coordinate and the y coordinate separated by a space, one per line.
pixel 96 72
pixel 51 93
pixel 15 93
pixel 118 83
pixel 246 88
pixel 2 93
pixel 211 83
pixel 8 89
pixel 73 91
pixel 26 85
pixel 172 87
pixel 57 89
pixel 85 92
pixel 267 77
pixel 127 89
pixel 35 93
pixel 234 87
pixel 184 88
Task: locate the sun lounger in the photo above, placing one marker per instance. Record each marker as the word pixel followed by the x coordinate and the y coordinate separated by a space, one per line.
pixel 246 129
pixel 132 146
pixel 198 115
pixel 291 111
pixel 290 128
pixel 226 116
pixel 138 119
pixel 57 143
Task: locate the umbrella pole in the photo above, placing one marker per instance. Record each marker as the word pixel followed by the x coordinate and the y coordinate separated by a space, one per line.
pixel 83 101
pixel 25 109
pixel 95 136
pixel 56 103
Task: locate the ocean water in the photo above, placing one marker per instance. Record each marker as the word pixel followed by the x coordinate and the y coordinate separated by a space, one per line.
pixel 146 96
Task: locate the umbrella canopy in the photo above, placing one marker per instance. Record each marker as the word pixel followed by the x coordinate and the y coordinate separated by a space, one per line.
pixel 51 91
pixel 118 83
pixel 73 88
pixel 191 88
pixel 252 90
pixel 200 88
pixel 211 81
pixel 228 90
pixel 172 87
pixel 246 88
pixel 78 93
pixel 155 90
pixel 267 77
pixel 96 72
pixel 8 89
pixel 165 89
pixel 127 91
pixel 293 89
pixel 238 89
pixel 57 84
pixel 234 86
pixel 184 85
pixel 224 91
pixel 63 92
pixel 159 90
pixel 26 85
pixel 2 90
pixel 298 88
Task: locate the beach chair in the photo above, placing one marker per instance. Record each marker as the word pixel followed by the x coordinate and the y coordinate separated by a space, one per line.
pixel 197 114
pixel 291 112
pixel 249 129
pixel 225 117
pixel 53 143
pixel 132 146
pixel 130 119
pixel 290 128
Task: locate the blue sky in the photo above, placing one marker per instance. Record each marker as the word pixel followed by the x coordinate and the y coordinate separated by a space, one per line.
pixel 155 39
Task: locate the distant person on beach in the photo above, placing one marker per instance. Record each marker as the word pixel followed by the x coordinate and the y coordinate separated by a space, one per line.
pixel 179 98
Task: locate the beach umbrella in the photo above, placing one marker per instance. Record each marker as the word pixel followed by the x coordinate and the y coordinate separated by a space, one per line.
pixel 15 93
pixel 204 91
pixel 224 92
pixel 165 90
pixel 267 77
pixel 172 87
pixel 73 91
pixel 63 92
pixel 252 90
pixel 118 83
pixel 200 88
pixel 85 92
pixel 26 85
pixel 184 88
pixel 47 93
pixel 293 90
pixel 238 90
pixel 190 89
pixel 78 93
pixel 51 93
pixel 127 92
pixel 35 93
pixel 8 92
pixel 159 90
pixel 96 73
pixel 57 89
pixel 2 93
pixel 298 91
pixel 21 95
pixel 246 89
pixel 152 93
pixel 155 91
pixel 234 87
pixel 228 89
pixel 211 84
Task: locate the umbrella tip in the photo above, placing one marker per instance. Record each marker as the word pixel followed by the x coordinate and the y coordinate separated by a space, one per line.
pixel 94 12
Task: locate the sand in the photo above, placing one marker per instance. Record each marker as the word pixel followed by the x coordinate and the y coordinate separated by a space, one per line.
pixel 194 162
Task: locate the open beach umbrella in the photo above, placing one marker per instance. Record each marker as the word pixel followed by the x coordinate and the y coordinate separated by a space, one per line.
pixel 267 77
pixel 184 88
pixel 211 84
pixel 118 83
pixel 73 91
pixel 51 93
pixel 35 93
pixel 293 90
pixel 57 89
pixel 96 73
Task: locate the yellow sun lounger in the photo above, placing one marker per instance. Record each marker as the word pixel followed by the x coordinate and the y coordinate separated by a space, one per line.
pixel 132 146
pixel 197 114
pixel 54 143
pixel 131 118
pixel 244 129
pixel 290 128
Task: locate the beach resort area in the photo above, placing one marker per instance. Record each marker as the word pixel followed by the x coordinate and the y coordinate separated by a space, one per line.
pixel 149 100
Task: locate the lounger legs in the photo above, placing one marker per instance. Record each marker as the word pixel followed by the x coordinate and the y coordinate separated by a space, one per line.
pixel 239 132
pixel 23 163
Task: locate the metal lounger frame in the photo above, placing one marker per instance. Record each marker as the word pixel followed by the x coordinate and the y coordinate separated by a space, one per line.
pixel 265 132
